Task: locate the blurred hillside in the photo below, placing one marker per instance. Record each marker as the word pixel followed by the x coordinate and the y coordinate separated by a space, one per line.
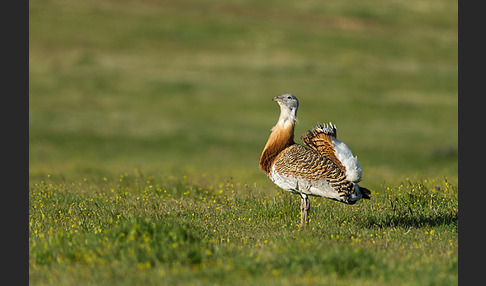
pixel 184 87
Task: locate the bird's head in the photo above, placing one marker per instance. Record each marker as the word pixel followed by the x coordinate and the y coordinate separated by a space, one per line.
pixel 287 101
pixel 288 108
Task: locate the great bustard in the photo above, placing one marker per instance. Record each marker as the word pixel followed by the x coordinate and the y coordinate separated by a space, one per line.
pixel 325 167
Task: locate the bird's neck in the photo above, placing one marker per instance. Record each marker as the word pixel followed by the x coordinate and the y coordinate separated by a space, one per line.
pixel 287 116
pixel 282 136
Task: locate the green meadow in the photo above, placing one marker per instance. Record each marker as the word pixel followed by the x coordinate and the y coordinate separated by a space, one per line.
pixel 147 119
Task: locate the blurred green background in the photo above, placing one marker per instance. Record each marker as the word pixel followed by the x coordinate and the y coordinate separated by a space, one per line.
pixel 184 88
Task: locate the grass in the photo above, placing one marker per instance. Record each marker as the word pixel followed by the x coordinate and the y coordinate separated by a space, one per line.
pixel 147 119
pixel 132 229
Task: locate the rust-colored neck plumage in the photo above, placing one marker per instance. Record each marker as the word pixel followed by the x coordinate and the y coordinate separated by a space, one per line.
pixel 282 136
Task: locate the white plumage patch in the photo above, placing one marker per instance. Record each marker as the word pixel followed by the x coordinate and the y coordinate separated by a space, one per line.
pixel 344 154
pixel 301 186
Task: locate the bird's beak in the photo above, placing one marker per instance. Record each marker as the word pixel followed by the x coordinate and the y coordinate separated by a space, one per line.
pixel 276 98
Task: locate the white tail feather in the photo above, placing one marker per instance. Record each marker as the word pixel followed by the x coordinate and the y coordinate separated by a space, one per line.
pixel 344 154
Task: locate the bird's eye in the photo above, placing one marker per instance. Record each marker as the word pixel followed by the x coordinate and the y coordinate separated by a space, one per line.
pixel 289 97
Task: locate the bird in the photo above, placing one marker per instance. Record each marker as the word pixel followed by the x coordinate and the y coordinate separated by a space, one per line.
pixel 323 167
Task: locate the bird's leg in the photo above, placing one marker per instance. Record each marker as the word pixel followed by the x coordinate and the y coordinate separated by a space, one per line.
pixel 304 210
pixel 302 215
pixel 307 210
